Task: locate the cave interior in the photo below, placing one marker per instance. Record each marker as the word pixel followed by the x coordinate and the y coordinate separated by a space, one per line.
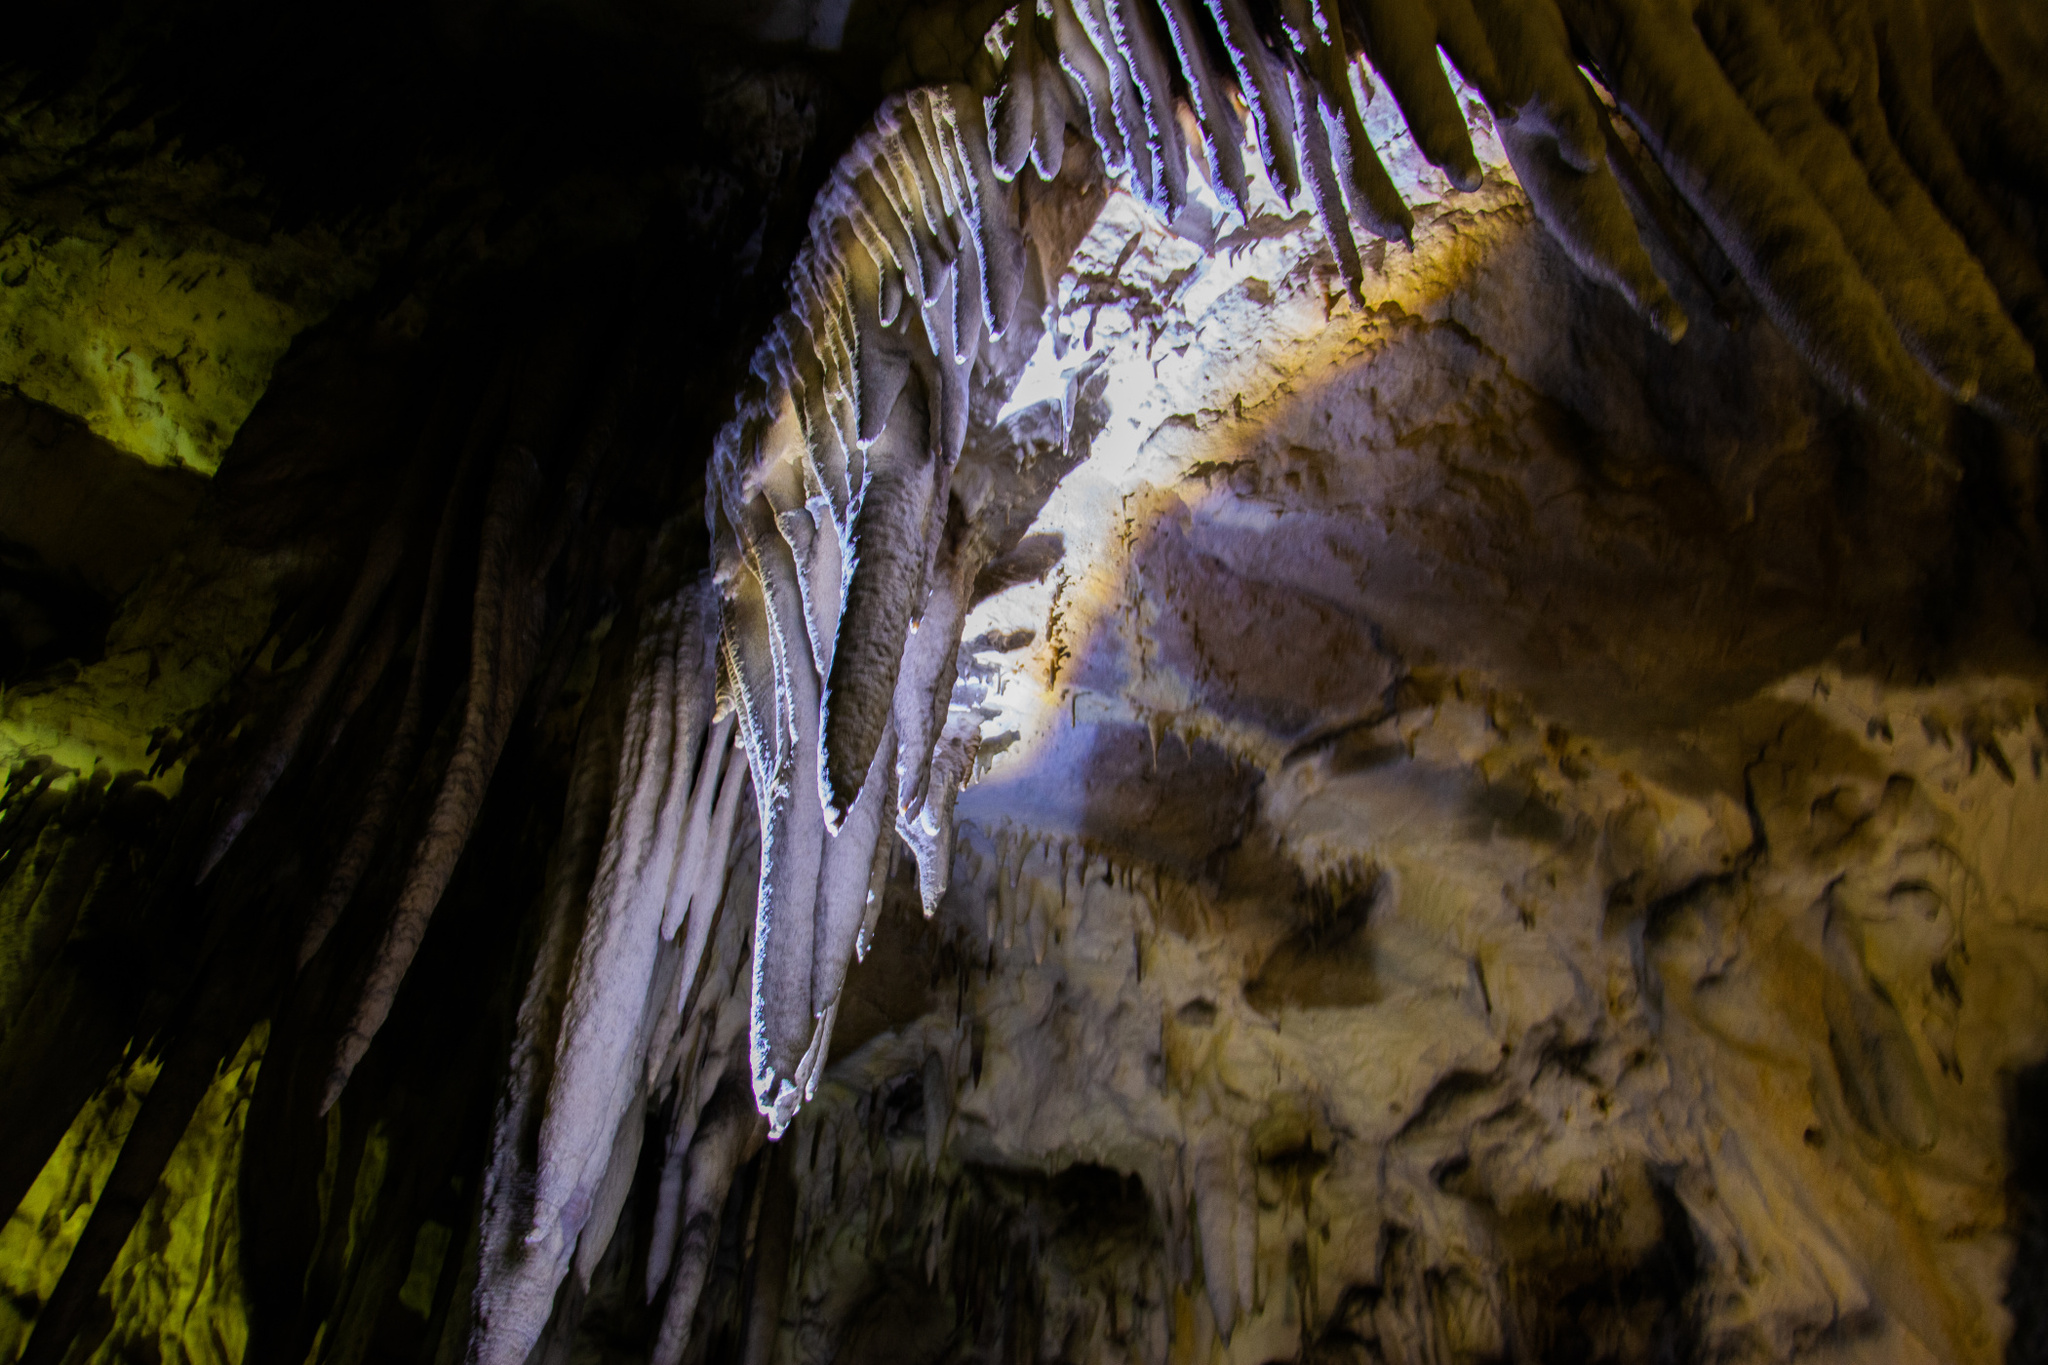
pixel 917 681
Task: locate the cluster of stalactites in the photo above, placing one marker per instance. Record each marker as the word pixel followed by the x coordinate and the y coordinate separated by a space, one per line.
pixel 830 491
pixel 614 1017
pixel 829 502
pixel 1816 145
pixel 830 495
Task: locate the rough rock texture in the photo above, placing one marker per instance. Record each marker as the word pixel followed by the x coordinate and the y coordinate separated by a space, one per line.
pixel 144 289
pixel 1481 858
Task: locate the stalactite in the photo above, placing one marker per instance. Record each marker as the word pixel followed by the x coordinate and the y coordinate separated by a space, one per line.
pixel 728 1128
pixel 516 1281
pixel 1765 217
pixel 709 891
pixel 380 564
pixel 387 782
pixel 596 1075
pixel 1594 225
pixel 504 629
pixel 686 882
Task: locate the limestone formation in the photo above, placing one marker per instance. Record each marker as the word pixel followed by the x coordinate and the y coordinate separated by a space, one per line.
pixel 1443 594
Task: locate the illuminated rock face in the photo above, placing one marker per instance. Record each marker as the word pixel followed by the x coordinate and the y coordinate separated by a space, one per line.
pixel 1471 860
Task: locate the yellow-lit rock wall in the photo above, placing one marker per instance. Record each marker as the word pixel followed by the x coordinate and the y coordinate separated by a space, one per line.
pixel 175 1293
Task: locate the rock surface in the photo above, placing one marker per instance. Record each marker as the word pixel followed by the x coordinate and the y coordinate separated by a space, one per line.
pixel 1491 838
pixel 1476 855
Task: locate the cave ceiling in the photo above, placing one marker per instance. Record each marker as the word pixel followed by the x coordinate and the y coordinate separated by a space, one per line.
pixel 1109 680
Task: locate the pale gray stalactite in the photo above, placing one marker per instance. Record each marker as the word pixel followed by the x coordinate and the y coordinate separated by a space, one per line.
pixel 1328 67
pixel 929 833
pixel 925 684
pixel 1131 23
pixel 516 1279
pixel 614 994
pixel 969 316
pixel 1320 168
pixel 651 1061
pixel 688 877
pixel 992 212
pixel 1028 114
pixel 804 1080
pixel 825 584
pixel 723 1136
pixel 845 885
pixel 599 993
pixel 614 1184
pixel 710 1040
pixel 749 665
pixel 668 1200
pixel 1126 104
pixel 793 826
pixel 882 358
pixel 1262 79
pixel 815 672
pixel 813 549
pixel 1222 133
pixel 709 892
pixel 598 1069
pixel 1090 74
pixel 904 198
pixel 879 873
pixel 892 244
pixel 823 405
pixel 888 541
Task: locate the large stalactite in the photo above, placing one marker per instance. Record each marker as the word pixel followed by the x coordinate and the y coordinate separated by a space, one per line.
pixel 461 842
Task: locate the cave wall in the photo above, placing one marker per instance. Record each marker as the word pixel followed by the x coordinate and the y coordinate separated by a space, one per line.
pixel 1490 836
pixel 1462 865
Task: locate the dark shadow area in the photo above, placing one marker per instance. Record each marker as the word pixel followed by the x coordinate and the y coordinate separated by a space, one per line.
pixel 2026 1202
pixel 81 522
pixel 46 616
pixel 1165 800
pixel 1327 963
pixel 82 507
